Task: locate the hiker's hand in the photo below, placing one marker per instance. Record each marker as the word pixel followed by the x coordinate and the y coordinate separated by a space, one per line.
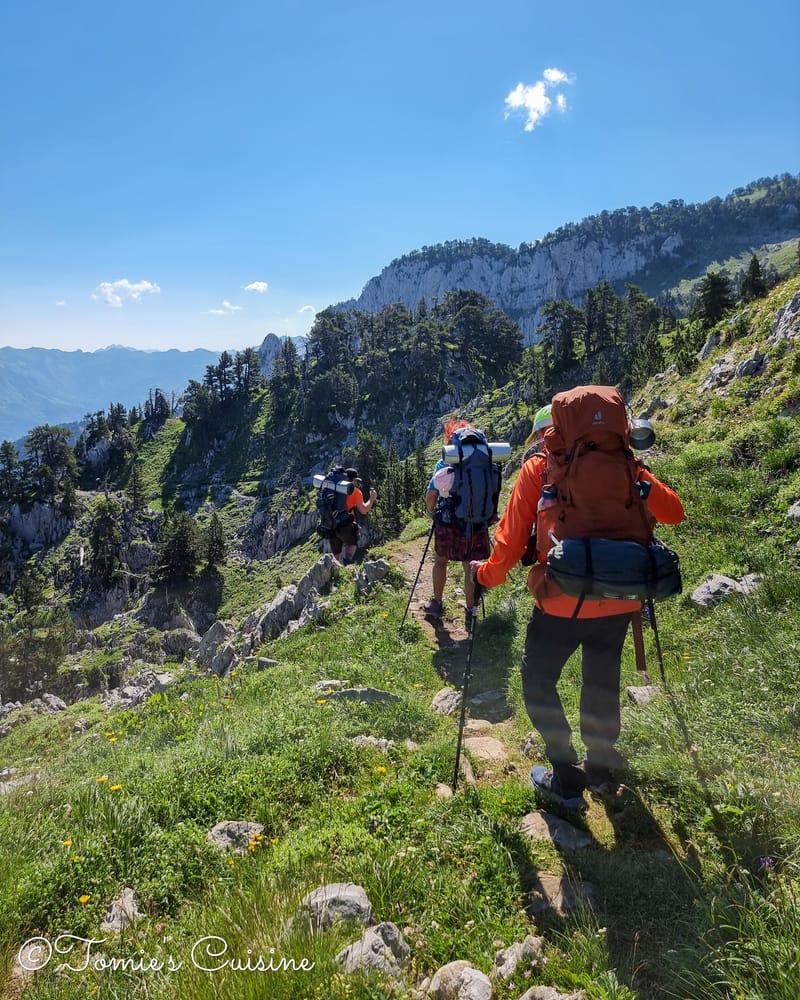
pixel 373 494
pixel 474 566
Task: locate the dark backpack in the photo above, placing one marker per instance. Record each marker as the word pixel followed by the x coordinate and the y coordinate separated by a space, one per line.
pixel 332 502
pixel 475 492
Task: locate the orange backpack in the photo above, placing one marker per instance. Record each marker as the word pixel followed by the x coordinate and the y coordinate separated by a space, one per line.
pixel 591 485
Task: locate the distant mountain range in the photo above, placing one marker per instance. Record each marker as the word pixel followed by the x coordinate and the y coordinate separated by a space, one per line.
pixel 660 249
pixel 44 386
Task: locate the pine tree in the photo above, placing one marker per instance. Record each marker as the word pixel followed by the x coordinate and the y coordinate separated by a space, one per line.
pixel 179 546
pixel 136 488
pixel 214 542
pixel 69 500
pixel 602 373
pixel 754 285
pixel 10 471
pixel 105 541
pixel 715 298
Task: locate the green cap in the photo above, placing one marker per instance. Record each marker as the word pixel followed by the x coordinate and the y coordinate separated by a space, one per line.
pixel 541 421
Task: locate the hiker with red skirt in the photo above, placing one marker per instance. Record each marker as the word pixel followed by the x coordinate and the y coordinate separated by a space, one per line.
pixel 585 484
pixel 454 541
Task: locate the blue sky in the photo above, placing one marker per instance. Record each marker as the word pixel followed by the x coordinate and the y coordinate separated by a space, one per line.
pixel 200 174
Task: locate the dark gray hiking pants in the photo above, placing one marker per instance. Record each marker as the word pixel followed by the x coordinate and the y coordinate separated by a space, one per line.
pixel 549 643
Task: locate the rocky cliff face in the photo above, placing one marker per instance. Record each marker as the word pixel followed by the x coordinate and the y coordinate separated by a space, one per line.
pixel 519 282
pixel 653 248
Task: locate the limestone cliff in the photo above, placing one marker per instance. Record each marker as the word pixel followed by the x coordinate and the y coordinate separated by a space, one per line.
pixel 654 248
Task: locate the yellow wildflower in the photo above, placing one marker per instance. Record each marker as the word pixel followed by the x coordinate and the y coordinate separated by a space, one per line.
pixel 322 701
pixel 103 777
pixel 67 843
pixel 380 769
pixel 115 788
pixel 84 899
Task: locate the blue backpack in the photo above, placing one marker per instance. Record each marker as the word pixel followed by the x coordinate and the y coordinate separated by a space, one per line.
pixel 477 479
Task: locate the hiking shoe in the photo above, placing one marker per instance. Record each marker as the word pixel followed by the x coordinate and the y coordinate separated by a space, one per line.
pixel 600 780
pixel 545 781
pixel 433 608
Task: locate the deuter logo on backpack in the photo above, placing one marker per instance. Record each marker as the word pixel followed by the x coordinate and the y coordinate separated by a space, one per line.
pixel 477 476
pixel 334 490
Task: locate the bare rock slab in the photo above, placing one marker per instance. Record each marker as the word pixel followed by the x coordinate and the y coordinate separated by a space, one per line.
pixel 559 895
pixel 541 825
pixel 487 749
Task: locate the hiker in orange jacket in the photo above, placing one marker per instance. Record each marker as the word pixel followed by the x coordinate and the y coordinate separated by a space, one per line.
pixel 553 634
pixel 345 539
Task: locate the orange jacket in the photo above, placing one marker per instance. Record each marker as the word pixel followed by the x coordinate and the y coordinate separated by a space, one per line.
pixel 514 530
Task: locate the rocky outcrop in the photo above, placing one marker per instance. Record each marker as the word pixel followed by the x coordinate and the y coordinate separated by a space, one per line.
pixel 270 535
pixel 38 527
pixel 270 621
pixel 787 322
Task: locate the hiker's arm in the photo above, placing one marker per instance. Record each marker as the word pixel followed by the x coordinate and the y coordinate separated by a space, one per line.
pixel 365 506
pixel 514 529
pixel 431 499
pixel 664 503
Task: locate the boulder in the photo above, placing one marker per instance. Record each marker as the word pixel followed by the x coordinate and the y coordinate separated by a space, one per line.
pixel 523 953
pixel 219 634
pixel 336 901
pixel 446 702
pixel 234 835
pixel 717 587
pixel 122 912
pixel 460 981
pixel 369 574
pixel 381 949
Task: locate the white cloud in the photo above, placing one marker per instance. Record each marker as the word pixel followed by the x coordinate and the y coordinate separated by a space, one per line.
pixel 61 302
pixel 114 293
pixel 533 101
pixel 307 309
pixel 256 286
pixel 555 76
pixel 228 309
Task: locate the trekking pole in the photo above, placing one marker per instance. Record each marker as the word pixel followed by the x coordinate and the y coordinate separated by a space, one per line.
pixel 652 612
pixel 467 670
pixel 419 570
